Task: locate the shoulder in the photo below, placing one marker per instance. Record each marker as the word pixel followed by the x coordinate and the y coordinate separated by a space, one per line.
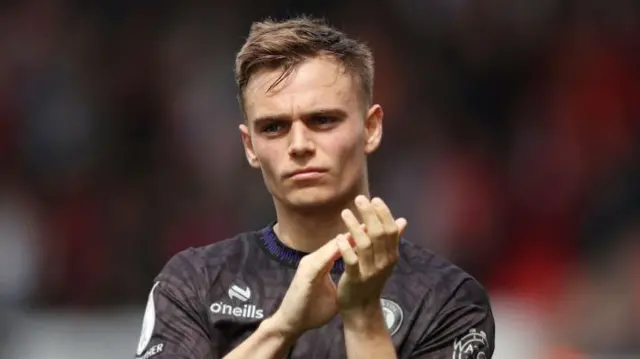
pixel 207 261
pixel 455 307
pixel 430 272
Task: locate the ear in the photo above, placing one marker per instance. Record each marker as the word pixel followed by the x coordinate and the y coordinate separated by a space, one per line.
pixel 373 129
pixel 248 146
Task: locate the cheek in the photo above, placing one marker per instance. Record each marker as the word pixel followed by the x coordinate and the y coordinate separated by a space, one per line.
pixel 349 152
pixel 269 173
pixel 268 158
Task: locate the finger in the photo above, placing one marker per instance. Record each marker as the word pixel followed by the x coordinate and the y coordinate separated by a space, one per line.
pixel 321 260
pixel 349 256
pixel 386 218
pixel 352 240
pixel 389 227
pixel 402 225
pixel 324 256
pixel 363 243
pixel 375 231
pixel 369 217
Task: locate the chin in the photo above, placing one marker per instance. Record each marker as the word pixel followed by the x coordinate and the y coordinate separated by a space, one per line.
pixel 309 199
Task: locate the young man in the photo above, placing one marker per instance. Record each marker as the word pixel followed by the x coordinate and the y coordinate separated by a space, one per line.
pixel 331 277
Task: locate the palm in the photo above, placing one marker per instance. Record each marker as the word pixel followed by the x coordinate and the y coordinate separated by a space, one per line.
pixel 345 289
pixel 309 305
pixel 365 287
pixel 323 304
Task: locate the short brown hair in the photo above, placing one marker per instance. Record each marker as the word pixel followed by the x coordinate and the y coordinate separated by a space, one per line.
pixel 286 44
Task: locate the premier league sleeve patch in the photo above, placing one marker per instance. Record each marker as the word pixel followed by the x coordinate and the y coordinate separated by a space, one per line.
pixel 473 345
pixel 148 323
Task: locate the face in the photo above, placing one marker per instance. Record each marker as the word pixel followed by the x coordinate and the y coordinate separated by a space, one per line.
pixel 310 135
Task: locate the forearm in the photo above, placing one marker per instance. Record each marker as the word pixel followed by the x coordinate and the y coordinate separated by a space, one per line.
pixel 366 336
pixel 267 342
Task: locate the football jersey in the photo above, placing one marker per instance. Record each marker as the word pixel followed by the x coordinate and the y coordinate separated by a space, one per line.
pixel 208 300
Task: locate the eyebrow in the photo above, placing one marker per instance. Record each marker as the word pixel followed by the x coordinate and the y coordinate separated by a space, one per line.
pixel 328 112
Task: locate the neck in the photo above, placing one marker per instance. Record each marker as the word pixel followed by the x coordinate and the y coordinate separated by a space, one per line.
pixel 307 231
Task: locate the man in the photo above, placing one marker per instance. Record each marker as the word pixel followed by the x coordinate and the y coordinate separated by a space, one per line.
pixel 331 277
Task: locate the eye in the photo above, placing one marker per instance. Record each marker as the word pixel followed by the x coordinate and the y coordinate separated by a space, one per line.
pixel 323 121
pixel 273 127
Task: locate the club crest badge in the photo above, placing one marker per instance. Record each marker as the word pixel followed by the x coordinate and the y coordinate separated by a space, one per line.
pixel 392 315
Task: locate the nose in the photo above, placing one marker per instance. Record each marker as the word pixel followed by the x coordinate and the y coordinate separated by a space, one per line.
pixel 300 143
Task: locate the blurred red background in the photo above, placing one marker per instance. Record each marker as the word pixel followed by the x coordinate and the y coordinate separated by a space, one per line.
pixel 511 145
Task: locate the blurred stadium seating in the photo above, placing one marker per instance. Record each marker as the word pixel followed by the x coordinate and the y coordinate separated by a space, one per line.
pixel 511 145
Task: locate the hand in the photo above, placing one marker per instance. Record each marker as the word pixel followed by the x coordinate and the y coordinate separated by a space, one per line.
pixel 310 301
pixel 371 262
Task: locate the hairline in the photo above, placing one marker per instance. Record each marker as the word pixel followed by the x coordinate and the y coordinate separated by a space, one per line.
pixel 364 98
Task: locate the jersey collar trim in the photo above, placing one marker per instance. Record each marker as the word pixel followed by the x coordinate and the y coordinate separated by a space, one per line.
pixel 290 257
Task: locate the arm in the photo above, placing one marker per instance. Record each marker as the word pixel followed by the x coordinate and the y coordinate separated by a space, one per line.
pixel 176 322
pixel 174 326
pixel 366 336
pixel 171 326
pixel 269 341
pixel 176 332
pixel 309 303
pixel 464 327
pixel 367 268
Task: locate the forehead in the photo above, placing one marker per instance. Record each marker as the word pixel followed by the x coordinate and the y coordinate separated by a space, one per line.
pixel 317 83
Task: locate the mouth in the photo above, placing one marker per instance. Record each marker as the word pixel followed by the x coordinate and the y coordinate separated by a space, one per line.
pixel 306 173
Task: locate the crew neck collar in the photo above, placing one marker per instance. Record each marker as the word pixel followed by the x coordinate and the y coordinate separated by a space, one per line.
pixel 288 256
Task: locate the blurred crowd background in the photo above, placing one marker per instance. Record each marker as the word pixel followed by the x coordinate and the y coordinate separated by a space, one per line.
pixel 511 145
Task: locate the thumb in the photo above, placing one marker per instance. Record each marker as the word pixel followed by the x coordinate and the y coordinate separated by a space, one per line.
pixel 402 225
pixel 322 259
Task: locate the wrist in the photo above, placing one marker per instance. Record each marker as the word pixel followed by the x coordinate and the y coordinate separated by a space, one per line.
pixel 366 318
pixel 274 327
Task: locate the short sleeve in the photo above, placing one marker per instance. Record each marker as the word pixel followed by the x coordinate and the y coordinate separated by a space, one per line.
pixel 174 325
pixel 463 329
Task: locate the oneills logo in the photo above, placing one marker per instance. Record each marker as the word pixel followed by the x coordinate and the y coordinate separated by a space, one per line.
pixel 246 311
pixel 237 292
pixel 243 311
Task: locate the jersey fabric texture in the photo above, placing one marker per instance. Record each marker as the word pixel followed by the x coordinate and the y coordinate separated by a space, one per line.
pixel 208 300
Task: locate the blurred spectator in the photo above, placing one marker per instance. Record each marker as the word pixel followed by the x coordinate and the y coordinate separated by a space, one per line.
pixel 511 145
